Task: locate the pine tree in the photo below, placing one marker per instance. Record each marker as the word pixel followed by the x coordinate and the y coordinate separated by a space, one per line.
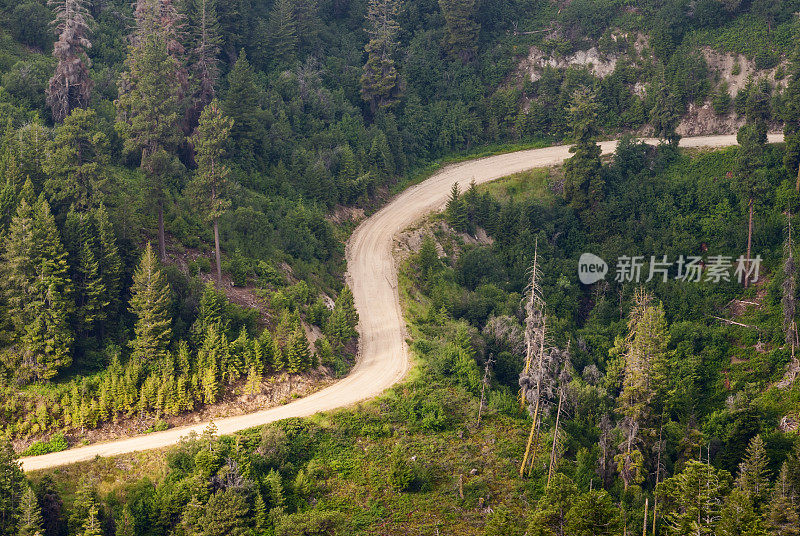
pixel 74 161
pixel 296 352
pixel 212 312
pixel 341 327
pixel 274 483
pixel 37 288
pixel 226 514
pixel 751 178
pixel 209 187
pixel 644 377
pixel 691 500
pixel 11 487
pixel 583 184
pixel 71 85
pixel 91 295
pixel 150 302
pixel 380 84
pixel 190 523
pixel 108 259
pixel 781 517
pixel 241 104
pixel 149 107
pixel 738 516
pixel 666 113
pixel 791 118
pixel 125 524
pixel 85 502
pixel 92 527
pixel 205 44
pixel 282 33
pixel 754 476
pixel 462 29
pixel 260 515
pixel 30 521
pixel 211 362
pixel 456 210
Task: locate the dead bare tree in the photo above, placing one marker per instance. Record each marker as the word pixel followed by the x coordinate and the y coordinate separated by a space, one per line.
pixel 71 86
pixel 484 383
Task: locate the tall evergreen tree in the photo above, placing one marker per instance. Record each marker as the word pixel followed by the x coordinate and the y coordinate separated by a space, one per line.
pixel 92 527
pixel 226 514
pixel 791 116
pixel 109 259
pixel 12 481
pixel 241 104
pixel 462 28
pixel 341 327
pixel 75 162
pixel 71 85
pixel 782 518
pixel 738 516
pixel 456 210
pixel 126 525
pixel 380 83
pixel 30 520
pixel 666 113
pixel 282 33
pixel 150 302
pixel 751 179
pixel 37 288
pixel 583 184
pixel 754 475
pixel 691 500
pixel 644 377
pixel 209 187
pixel 91 296
pixel 149 106
pixel 205 43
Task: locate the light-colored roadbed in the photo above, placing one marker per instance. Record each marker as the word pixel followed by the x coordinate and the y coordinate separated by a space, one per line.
pixel 383 356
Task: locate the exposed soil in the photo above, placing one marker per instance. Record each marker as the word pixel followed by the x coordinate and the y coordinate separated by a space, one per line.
pixel 372 274
pixel 275 391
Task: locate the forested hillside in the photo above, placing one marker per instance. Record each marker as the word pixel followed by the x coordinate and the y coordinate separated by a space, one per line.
pixel 178 177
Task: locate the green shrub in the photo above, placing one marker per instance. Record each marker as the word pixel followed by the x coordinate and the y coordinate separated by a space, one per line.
pixel 400 473
pixel 239 268
pixel 765 59
pixel 736 69
pixel 56 443
pixel 722 100
pixel 311 523
pixel 269 275
pixel 204 264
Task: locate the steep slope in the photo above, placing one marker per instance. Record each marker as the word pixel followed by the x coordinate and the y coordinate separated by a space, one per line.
pixel 372 275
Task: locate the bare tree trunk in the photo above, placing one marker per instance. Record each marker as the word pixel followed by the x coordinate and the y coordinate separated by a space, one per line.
pixel 555 438
pixel 162 247
pixel 749 238
pixel 797 184
pixel 646 506
pixel 216 250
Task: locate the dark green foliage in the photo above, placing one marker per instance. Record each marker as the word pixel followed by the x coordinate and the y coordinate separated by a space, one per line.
pixel 150 301
pixel 30 518
pixel 11 487
pixel 241 104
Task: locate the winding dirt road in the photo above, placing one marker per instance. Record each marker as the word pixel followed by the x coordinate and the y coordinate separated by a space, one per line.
pixel 372 275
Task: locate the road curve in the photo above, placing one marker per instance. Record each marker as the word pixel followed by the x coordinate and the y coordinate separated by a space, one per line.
pixel 372 275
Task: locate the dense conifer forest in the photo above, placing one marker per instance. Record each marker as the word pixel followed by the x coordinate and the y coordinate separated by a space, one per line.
pixel 177 182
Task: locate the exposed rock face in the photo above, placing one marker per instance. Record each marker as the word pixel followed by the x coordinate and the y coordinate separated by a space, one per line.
pixel 599 64
pixel 702 120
